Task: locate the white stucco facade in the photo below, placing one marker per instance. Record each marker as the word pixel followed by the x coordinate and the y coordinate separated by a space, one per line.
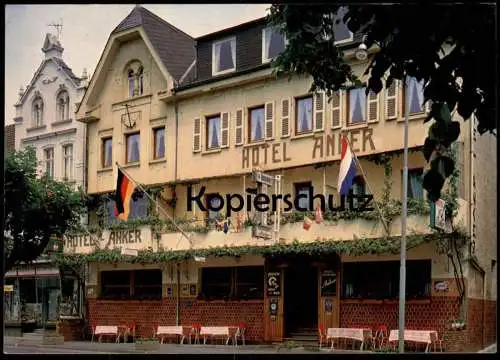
pixel 45 116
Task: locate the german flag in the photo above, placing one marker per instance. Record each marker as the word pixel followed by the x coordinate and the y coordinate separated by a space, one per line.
pixel 124 190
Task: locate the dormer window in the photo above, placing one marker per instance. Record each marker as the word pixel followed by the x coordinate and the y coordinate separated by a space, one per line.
pixel 342 33
pixel 62 106
pixel 224 56
pixel 340 29
pixel 135 79
pixel 37 112
pixel 273 43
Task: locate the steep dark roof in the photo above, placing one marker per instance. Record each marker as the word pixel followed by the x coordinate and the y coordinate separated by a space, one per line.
pixel 175 48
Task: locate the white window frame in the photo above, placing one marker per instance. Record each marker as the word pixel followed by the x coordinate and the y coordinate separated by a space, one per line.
pixel 49 161
pixel 68 171
pixel 265 59
pixel 232 39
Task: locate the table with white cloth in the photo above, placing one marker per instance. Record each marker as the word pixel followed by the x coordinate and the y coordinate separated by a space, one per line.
pixel 348 333
pixel 418 336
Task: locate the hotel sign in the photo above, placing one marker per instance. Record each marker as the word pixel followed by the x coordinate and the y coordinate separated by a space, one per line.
pixel 130 239
pixel 323 148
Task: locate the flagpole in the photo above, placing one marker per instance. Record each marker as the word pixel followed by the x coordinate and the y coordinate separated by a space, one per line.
pixel 404 210
pixel 154 201
pixel 382 219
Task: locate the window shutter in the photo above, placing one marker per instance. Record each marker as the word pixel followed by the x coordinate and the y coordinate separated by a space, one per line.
pixel 372 107
pixel 269 109
pixel 319 111
pixel 224 129
pixel 391 101
pixel 285 118
pixel 337 108
pixel 239 127
pixel 197 135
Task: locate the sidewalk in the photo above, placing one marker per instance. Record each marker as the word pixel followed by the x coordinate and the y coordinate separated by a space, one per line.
pixel 83 347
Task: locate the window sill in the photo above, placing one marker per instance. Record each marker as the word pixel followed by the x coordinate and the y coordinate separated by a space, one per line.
pixel 224 72
pixel 414 116
pixel 132 98
pixel 211 151
pixel 131 164
pixel 62 122
pixel 257 143
pixel 303 136
pixel 104 170
pixel 357 126
pixel 35 128
pixel 157 161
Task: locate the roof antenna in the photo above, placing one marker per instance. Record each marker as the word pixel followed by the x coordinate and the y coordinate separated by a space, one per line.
pixel 58 27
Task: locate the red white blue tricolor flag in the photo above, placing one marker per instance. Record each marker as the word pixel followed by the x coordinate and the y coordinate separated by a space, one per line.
pixel 347 168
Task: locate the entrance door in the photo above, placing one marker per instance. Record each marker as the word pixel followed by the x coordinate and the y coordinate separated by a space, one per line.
pixel 300 297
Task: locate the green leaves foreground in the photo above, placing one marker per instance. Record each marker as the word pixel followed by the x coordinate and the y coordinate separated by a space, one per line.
pixel 450 48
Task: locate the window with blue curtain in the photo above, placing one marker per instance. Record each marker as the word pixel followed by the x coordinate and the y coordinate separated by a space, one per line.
pixel 415 183
pixel 213 132
pixel 415 93
pixel 303 123
pixel 257 124
pixel 133 145
pixel 357 106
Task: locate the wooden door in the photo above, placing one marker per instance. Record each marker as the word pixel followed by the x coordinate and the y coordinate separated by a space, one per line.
pixel 328 297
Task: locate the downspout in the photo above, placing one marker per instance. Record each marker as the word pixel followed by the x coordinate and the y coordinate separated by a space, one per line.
pixel 176 107
pixel 178 297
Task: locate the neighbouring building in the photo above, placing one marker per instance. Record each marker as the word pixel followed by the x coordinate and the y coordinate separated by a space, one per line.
pixel 214 120
pixel 45 120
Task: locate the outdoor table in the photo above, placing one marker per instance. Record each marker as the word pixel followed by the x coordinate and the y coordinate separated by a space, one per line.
pixel 348 333
pixel 100 331
pixel 163 331
pixel 213 331
pixel 419 336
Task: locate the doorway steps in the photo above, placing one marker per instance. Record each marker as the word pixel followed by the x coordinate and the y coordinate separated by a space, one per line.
pixel 33 338
pixel 305 337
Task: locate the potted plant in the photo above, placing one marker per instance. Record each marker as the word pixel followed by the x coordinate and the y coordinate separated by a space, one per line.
pixel 147 344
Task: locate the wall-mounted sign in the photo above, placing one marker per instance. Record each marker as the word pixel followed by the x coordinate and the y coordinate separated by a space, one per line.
pixel 328 306
pixel 262 232
pixel 441 286
pixel 274 283
pixel 8 288
pixel 273 308
pixel 193 290
pixel 329 283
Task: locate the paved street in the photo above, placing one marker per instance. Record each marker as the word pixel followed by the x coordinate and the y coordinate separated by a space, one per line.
pixel 70 347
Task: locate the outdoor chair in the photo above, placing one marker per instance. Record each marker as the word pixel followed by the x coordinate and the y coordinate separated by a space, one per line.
pixel 240 333
pixel 322 335
pixel 195 330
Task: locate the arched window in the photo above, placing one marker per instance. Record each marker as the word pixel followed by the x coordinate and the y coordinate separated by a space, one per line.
pixel 140 80
pixel 62 106
pixel 38 111
pixel 131 83
pixel 135 79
